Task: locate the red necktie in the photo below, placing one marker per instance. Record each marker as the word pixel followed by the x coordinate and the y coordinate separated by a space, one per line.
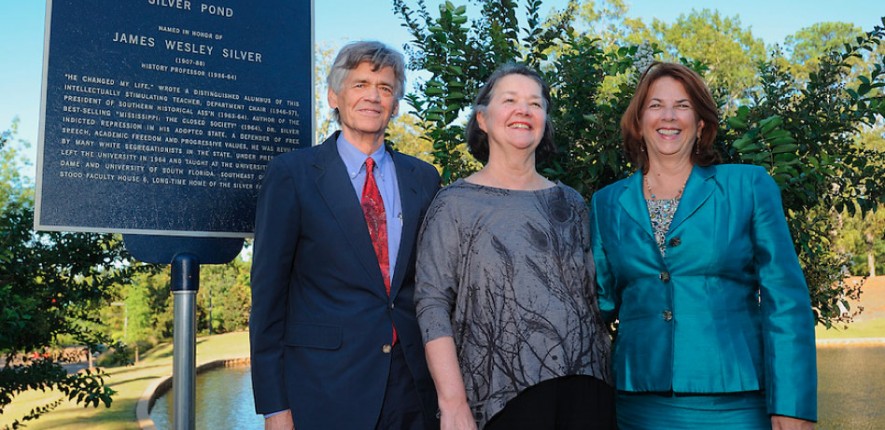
pixel 376 219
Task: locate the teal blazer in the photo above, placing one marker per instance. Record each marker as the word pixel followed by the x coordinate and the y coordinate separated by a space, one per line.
pixel 727 310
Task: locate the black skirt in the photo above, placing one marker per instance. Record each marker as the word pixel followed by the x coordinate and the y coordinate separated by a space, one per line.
pixel 566 403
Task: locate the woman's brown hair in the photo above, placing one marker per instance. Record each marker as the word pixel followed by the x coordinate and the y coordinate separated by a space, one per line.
pixel 702 102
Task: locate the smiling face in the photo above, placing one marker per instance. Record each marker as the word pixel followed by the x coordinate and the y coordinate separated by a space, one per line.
pixel 669 123
pixel 515 116
pixel 366 101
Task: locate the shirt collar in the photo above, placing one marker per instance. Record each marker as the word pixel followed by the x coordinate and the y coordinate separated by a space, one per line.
pixel 355 160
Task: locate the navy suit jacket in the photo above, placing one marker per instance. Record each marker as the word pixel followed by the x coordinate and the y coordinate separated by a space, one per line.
pixel 726 310
pixel 321 319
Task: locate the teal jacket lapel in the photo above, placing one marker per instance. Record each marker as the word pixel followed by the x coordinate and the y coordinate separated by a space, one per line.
pixel 633 202
pixel 699 187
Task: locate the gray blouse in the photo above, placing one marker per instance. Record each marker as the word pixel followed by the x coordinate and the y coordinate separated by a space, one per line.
pixel 509 275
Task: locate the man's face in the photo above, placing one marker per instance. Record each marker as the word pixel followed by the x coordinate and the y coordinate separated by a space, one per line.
pixel 365 102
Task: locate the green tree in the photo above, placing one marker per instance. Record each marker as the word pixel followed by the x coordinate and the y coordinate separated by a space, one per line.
pixel 860 235
pixel 323 58
pixel 459 55
pixel 405 133
pixel 806 46
pixel 803 132
pixel 607 20
pixel 728 51
pixel 51 285
pixel 587 112
pixel 140 314
pixel 872 137
pixel 861 239
pixel 137 318
pixel 13 184
pixel 224 298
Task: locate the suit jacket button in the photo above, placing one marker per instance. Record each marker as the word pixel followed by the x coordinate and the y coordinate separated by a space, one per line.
pixel 667 315
pixel 665 276
pixel 386 348
pixel 392 305
pixel 674 242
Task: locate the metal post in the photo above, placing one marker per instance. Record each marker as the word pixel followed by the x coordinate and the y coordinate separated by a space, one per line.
pixel 185 283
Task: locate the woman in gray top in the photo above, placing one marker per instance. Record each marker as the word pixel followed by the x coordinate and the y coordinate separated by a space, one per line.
pixel 505 279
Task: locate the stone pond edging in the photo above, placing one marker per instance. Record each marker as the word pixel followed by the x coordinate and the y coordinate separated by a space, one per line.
pixel 163 385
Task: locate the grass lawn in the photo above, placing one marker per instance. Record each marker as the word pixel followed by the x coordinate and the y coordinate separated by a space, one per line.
pixel 859 329
pixel 129 382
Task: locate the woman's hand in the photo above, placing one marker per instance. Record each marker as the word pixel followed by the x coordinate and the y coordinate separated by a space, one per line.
pixel 442 361
pixel 779 422
pixel 457 417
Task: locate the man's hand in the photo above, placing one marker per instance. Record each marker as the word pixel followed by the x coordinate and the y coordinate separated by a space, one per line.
pixel 779 422
pixel 280 421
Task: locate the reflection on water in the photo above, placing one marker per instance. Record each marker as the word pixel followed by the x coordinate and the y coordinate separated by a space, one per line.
pixel 851 394
pixel 224 401
pixel 851 388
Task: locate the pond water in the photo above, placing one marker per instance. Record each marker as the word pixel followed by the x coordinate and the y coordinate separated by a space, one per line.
pixel 224 401
pixel 851 394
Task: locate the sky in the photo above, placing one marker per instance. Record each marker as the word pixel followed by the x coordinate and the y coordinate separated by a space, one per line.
pixel 339 21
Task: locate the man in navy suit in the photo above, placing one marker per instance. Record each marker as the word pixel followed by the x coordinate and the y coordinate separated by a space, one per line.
pixel 335 343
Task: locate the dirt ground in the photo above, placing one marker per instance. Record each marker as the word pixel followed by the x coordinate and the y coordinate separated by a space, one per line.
pixel 872 298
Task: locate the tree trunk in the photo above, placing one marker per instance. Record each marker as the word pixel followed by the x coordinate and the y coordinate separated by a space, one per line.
pixel 871 261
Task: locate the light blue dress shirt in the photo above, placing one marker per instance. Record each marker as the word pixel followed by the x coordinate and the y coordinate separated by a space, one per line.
pixel 385 177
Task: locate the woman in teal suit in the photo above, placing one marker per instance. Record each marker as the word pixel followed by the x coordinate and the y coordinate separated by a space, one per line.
pixel 696 263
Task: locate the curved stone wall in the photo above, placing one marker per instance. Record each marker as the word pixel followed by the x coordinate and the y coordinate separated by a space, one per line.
pixel 163 385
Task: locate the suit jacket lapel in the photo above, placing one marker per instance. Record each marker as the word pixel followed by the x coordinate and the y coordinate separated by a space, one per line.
pixel 409 202
pixel 334 185
pixel 633 202
pixel 698 189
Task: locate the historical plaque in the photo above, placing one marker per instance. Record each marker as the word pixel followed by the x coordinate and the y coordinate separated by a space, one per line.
pixel 159 116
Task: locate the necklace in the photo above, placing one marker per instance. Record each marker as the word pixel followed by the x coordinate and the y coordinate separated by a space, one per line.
pixel 652 195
